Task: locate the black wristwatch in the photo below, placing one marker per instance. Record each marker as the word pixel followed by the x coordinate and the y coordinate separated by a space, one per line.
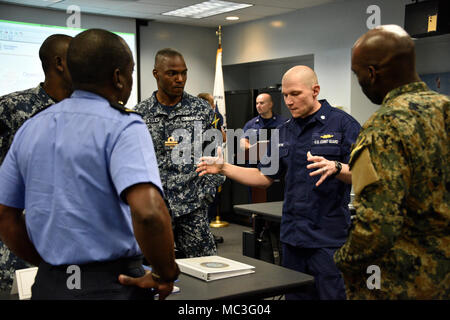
pixel 338 168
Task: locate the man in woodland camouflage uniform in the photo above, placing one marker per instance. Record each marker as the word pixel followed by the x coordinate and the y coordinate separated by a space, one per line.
pixel 17 107
pixel 177 121
pixel 401 178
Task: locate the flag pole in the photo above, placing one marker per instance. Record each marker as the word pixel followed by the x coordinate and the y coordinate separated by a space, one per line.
pixel 218 82
pixel 219 34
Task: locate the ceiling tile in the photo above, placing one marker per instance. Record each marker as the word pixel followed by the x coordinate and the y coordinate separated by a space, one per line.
pixel 291 4
pixel 259 11
pixel 174 3
pixel 152 9
pixel 145 8
pixel 40 3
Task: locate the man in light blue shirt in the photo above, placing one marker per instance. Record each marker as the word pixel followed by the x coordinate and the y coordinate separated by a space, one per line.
pixel 78 167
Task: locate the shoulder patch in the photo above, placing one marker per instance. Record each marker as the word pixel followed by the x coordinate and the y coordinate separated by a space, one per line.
pixel 122 109
pixel 363 172
pixel 215 121
pixel 357 149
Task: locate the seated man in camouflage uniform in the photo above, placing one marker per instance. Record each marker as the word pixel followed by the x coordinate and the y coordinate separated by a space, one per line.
pixel 167 113
pixel 17 107
pixel 398 246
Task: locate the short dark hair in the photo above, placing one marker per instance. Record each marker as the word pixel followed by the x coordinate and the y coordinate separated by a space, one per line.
pixel 166 53
pixel 53 46
pixel 94 54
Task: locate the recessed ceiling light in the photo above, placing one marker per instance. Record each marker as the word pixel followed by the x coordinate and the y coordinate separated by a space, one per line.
pixel 232 18
pixel 277 24
pixel 207 9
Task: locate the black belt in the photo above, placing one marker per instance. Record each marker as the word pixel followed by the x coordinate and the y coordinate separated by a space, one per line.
pixel 118 265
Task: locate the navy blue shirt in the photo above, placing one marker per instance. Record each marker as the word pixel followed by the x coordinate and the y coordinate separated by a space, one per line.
pixel 252 128
pixel 315 217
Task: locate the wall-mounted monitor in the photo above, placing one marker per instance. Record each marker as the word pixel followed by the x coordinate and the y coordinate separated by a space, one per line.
pixel 20 67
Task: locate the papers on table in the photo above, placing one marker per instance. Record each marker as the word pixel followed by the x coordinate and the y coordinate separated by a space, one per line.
pixel 23 281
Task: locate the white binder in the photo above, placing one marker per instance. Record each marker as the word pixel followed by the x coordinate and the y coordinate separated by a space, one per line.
pixel 213 267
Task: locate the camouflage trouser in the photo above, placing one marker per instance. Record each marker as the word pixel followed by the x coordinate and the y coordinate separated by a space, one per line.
pixel 193 237
pixel 9 263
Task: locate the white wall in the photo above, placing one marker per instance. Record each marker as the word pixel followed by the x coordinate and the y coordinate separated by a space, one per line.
pixel 198 46
pixel 333 69
pixel 328 32
pixel 433 54
pixel 362 108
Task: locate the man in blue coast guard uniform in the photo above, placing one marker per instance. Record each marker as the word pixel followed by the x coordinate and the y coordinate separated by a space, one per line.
pixel 265 119
pixel 86 173
pixel 313 154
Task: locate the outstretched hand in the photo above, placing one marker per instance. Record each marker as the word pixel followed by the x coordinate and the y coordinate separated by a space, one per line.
pixel 324 167
pixel 211 165
pixel 147 282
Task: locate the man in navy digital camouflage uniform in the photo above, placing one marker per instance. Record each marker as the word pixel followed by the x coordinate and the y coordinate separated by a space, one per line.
pixel 17 107
pixel 177 121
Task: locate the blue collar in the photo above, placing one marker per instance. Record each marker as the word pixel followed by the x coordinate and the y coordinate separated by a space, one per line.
pixel 181 108
pixel 87 95
pixel 320 116
pixel 184 97
pixel 39 90
pixel 259 118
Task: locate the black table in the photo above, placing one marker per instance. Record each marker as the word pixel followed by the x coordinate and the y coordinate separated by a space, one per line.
pixel 268 280
pixel 269 210
pixel 264 241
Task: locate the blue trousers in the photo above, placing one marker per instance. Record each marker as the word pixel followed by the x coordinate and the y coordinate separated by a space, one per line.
pixel 193 237
pixel 318 262
pixel 212 209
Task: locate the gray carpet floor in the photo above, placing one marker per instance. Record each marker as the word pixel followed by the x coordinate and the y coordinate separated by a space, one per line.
pixel 232 238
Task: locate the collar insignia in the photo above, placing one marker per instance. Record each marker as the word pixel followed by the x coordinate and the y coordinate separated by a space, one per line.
pixel 171 143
